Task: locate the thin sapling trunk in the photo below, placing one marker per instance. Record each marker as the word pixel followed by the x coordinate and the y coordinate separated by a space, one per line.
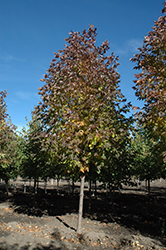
pixel 81 205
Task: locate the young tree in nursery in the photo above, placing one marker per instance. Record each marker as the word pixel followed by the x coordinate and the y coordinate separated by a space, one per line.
pixel 117 163
pixel 146 163
pixel 81 107
pixel 150 83
pixel 34 160
pixel 8 143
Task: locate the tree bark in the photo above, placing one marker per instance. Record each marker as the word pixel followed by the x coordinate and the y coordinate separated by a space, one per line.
pixel 90 194
pixel 95 188
pixel 58 185
pixel 45 186
pixel 81 205
pixel 35 185
pixel 6 187
pixel 149 188
pixel 73 186
pixel 25 187
pixel 29 185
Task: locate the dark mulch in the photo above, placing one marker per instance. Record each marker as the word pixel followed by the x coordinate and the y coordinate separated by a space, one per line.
pixel 130 220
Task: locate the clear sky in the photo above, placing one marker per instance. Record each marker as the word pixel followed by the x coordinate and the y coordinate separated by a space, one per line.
pixel 32 30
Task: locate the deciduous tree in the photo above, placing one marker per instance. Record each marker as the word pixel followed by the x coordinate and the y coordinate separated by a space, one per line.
pixel 150 83
pixel 146 163
pixel 34 158
pixel 8 142
pixel 82 106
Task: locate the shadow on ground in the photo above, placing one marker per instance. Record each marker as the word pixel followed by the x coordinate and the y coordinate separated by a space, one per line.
pixel 131 209
pixel 37 247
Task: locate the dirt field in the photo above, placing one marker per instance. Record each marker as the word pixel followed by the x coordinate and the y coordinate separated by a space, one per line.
pixel 45 221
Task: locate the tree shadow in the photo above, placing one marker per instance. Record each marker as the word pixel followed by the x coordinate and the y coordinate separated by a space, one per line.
pixel 6 246
pixel 41 204
pixel 65 224
pixel 132 209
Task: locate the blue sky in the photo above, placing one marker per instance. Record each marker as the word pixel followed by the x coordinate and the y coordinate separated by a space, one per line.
pixel 32 30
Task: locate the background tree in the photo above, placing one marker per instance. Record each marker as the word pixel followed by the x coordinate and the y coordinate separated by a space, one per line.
pixel 150 83
pixel 146 164
pixel 82 108
pixel 8 143
pixel 34 161
pixel 117 165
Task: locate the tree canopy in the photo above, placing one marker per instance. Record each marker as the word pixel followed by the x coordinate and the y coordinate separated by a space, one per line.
pixel 81 98
pixel 150 83
pixel 82 109
pixel 8 141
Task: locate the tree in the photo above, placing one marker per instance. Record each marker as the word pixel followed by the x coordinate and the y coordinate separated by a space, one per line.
pixel 34 159
pixel 146 164
pixel 8 143
pixel 150 83
pixel 82 106
pixel 117 164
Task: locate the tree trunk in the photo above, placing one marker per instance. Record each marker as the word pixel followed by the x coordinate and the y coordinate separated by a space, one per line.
pixel 90 198
pixel 81 205
pixel 52 183
pixel 6 187
pixel 95 188
pixel 25 187
pixel 106 187
pixel 45 186
pixel 58 185
pixel 15 188
pixel 35 192
pixel 73 187
pixel 148 188
pixel 29 185
pixel 37 183
pixel 35 186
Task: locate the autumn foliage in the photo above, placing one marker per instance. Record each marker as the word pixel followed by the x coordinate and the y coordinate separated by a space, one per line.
pixel 81 99
pixel 150 83
pixel 83 110
pixel 7 141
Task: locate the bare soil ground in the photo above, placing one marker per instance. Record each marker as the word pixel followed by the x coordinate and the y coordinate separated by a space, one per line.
pixel 48 221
